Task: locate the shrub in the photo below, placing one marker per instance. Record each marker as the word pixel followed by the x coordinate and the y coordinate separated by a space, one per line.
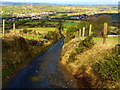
pixel 80 49
pixel 72 29
pixel 24 30
pixel 33 42
pixel 85 44
pixel 52 35
pixel 117 49
pixel 69 36
pixel 72 56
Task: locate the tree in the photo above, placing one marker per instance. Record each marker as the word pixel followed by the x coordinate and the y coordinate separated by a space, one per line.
pixel 98 23
pixel 24 30
pixel 84 24
pixel 103 19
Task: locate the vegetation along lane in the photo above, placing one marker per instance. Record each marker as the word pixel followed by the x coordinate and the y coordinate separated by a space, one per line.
pixel 43 72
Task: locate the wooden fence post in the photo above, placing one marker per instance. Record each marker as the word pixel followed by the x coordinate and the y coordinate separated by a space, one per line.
pixel 105 32
pixel 80 32
pixel 83 32
pixel 3 32
pixel 14 28
pixel 90 29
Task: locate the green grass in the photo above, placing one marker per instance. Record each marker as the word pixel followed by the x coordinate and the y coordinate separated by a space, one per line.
pixel 110 40
pixel 31 36
pixel 58 8
pixel 54 23
pixel 35 22
pixel 40 30
pixel 70 23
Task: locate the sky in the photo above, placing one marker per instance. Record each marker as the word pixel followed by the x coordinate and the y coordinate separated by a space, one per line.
pixel 55 1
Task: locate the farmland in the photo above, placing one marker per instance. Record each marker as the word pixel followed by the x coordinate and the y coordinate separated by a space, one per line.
pixel 83 39
pixel 40 30
pixel 110 41
pixel 27 9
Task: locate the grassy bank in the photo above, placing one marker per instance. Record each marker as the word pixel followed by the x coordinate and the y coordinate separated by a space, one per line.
pixel 93 65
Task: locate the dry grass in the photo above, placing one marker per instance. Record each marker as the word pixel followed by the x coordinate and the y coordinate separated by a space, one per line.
pixel 81 67
pixel 68 48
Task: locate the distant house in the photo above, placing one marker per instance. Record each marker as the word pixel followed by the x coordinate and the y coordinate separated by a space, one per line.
pixel 79 17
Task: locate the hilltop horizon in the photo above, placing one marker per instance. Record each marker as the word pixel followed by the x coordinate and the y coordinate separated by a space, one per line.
pixel 58 3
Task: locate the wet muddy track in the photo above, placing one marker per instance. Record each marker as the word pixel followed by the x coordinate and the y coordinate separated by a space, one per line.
pixel 43 72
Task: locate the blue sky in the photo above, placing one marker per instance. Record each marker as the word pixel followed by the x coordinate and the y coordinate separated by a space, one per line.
pixel 103 1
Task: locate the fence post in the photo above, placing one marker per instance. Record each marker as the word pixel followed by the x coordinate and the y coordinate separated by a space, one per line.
pixel 105 32
pixel 3 34
pixel 90 29
pixel 83 32
pixel 80 32
pixel 14 28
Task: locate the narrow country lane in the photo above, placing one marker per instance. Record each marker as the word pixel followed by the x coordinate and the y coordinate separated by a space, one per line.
pixel 43 72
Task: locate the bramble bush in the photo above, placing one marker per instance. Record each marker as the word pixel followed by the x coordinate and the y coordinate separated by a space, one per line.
pixel 52 35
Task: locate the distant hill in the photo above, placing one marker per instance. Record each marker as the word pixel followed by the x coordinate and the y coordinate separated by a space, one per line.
pixel 58 3
pixel 19 3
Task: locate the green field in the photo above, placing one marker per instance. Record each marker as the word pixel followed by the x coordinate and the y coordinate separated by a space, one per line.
pixel 31 36
pixel 35 22
pixel 70 23
pixel 111 40
pixel 40 30
pixel 75 9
